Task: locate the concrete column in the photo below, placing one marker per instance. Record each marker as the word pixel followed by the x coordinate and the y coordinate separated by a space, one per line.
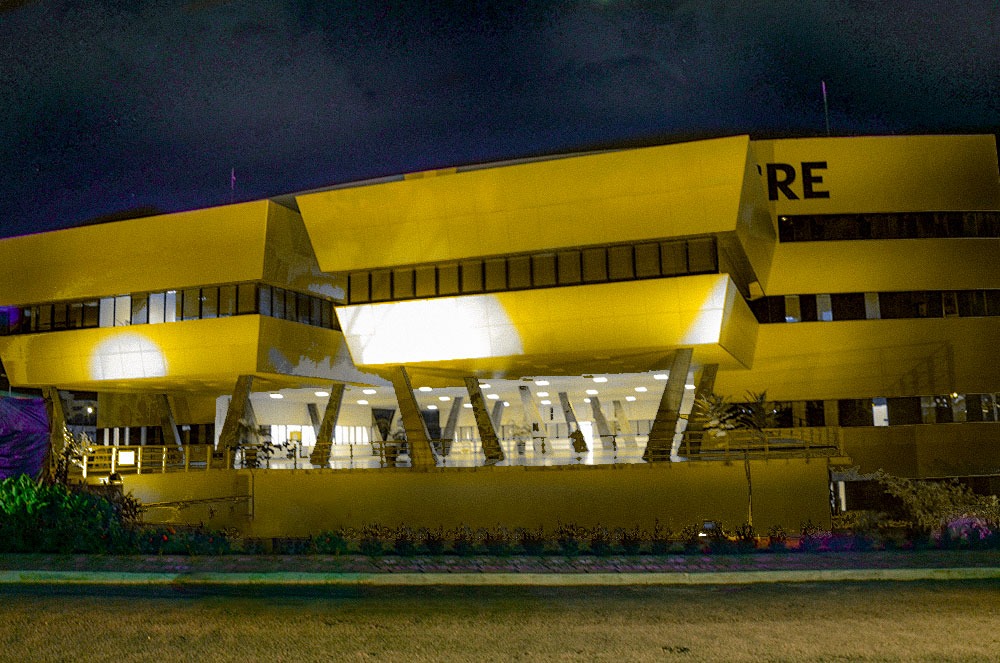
pixel 661 437
pixel 799 413
pixel 696 422
pixel 603 428
pixel 831 413
pixel 417 437
pixel 57 430
pixel 448 434
pixel 622 424
pixel 496 416
pixel 576 435
pixel 532 417
pixel 324 429
pixel 487 433
pixel 167 423
pixel 241 424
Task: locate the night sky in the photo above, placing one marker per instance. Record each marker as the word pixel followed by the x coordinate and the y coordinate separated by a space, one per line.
pixel 108 109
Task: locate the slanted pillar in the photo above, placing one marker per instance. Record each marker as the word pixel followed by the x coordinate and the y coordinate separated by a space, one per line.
pixel 622 424
pixel 661 437
pixel 167 423
pixel 575 435
pixel 448 434
pixel 603 428
pixel 532 417
pixel 496 416
pixel 696 421
pixel 417 438
pixel 487 433
pixel 57 431
pixel 241 424
pixel 324 429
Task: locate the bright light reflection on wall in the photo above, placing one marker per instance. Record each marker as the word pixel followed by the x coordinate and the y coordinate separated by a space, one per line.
pixel 429 330
pixel 127 356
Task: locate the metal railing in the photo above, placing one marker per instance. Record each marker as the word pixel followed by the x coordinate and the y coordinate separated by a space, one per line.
pixel 768 443
pixel 104 461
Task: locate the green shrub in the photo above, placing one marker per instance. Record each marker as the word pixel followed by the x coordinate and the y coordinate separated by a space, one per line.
pixel 432 540
pixel 497 540
pixel 404 541
pixel 630 540
pixel 330 543
pixel 568 539
pixel 181 541
pixel 532 541
pixel 602 541
pixel 463 541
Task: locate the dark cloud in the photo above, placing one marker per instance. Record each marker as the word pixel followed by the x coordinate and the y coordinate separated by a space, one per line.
pixel 109 106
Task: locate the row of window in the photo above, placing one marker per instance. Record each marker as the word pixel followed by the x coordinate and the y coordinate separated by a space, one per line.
pixel 170 306
pixel 910 225
pixel 941 409
pixel 598 264
pixel 877 305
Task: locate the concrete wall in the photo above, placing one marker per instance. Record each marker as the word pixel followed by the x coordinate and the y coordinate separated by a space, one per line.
pixel 296 503
pixel 926 450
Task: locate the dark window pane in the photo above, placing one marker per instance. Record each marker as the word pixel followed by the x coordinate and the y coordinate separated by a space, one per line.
pixel 673 257
pixel 621 263
pixel 315 312
pixel 44 317
pixel 519 272
pixel 848 306
pixel 191 307
pixel 595 265
pixel 140 309
pixel 209 302
pixel 807 307
pixel 304 308
pixel 227 300
pixel 496 274
pixel 59 316
pixel 264 296
pixel 701 256
pixel 329 321
pixel 402 283
pixel 358 288
pixel 472 276
pixel 569 267
pixel 425 281
pixel 904 411
pixel 993 302
pixel 291 306
pixel 448 279
pixel 90 313
pixel 75 319
pixel 278 302
pixel 855 412
pixel 971 303
pixel 246 298
pixel 381 285
pixel 647 260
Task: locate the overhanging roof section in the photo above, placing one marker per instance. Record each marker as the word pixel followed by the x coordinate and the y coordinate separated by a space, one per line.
pixel 672 190
pixel 875 174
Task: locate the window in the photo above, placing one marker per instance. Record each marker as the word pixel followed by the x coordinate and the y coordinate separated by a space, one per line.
pixel 170 303
pixel 647 260
pixel 824 308
pixel 156 304
pixel 264 296
pixel 673 257
pixel 191 306
pixel 496 274
pixel 519 272
pixel 425 281
pixel 621 264
pixel 792 311
pixel 278 301
pixel 595 265
pixel 568 263
pixel 402 283
pixel 246 298
pixel 107 315
pixel 381 285
pixel 227 301
pixel 140 309
pixel 848 306
pixel 871 306
pixel 358 285
pixel 209 303
pixel 543 268
pixel 701 256
pixel 91 314
pixel 448 279
pixel 471 275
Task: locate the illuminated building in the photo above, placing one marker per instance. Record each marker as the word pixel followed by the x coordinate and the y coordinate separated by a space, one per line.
pixel 852 279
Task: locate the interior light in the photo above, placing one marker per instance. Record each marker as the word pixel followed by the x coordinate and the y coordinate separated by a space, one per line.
pixel 586 400
pixel 493 397
pixel 546 402
pixel 641 389
pixel 90 410
pixel 542 394
pixel 444 398
pixel 276 396
pixel 506 404
pixel 432 407
pixel 689 386
pixel 485 386
pixel 362 402
pixel 630 399
pixel 660 376
pixel 467 405
pixel 592 392
pixel 542 383
pixel 322 394
pixel 600 379
pixel 424 389
pixel 369 391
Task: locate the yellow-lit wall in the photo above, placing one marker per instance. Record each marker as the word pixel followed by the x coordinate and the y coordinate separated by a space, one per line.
pixel 566 328
pixel 889 173
pixel 866 358
pixel 298 503
pixel 289 260
pixel 673 190
pixel 201 247
pixel 927 450
pixel 143 409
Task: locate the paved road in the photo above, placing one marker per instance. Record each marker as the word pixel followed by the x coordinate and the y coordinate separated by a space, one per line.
pixel 885 621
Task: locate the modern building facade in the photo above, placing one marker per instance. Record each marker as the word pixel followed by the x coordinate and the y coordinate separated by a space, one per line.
pixel 855 280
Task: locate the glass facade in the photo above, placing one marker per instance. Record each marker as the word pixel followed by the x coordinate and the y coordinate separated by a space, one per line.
pixel 142 308
pixel 911 225
pixel 877 305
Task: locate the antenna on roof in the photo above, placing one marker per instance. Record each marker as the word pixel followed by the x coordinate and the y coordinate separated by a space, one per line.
pixel 826 109
pixel 232 182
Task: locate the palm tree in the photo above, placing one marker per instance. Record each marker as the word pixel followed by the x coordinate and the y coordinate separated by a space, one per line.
pixel 755 415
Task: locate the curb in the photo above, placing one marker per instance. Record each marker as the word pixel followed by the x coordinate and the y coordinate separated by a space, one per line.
pixel 283 579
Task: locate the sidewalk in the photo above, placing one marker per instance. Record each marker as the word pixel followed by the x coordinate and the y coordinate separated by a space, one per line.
pixel 446 570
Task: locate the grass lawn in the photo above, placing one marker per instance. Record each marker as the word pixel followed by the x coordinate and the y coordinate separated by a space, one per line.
pixel 955 621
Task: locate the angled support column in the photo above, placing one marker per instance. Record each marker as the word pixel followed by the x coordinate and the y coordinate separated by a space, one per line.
pixel 324 429
pixel 167 423
pixel 417 438
pixel 575 435
pixel 487 433
pixel 532 417
pixel 622 424
pixel 603 428
pixel 496 416
pixel 696 422
pixel 448 434
pixel 661 437
pixel 240 427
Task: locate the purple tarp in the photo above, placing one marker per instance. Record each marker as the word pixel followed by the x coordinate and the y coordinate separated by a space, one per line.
pixel 24 436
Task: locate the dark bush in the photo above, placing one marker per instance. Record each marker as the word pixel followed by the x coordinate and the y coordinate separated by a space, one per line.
pixel 532 542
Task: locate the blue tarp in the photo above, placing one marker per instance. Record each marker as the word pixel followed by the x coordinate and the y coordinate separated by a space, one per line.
pixel 24 436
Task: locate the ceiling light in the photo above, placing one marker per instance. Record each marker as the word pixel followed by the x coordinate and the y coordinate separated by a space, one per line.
pixel 660 376
pixel 630 399
pixel 485 386
pixel 641 389
pixel 586 400
pixel 322 394
pixel 424 389
pixel 592 392
pixel 546 402
pixel 467 405
pixel 600 379
pixel 493 397
pixel 689 386
pixel 444 398
pixel 432 407
pixel 542 394
pixel 542 383
pixel 506 404
pixel 362 402
pixel 276 396
pixel 369 391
